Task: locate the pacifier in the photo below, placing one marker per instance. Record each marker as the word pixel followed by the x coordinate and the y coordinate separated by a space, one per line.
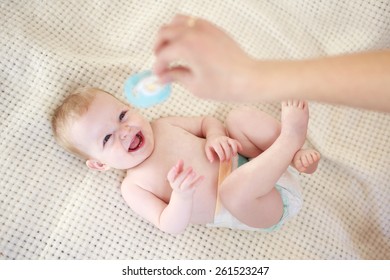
pixel 143 90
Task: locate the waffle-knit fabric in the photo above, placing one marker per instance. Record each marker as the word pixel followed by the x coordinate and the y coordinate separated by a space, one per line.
pixel 53 207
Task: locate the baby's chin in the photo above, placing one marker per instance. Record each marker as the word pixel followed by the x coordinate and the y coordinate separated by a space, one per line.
pixel 134 163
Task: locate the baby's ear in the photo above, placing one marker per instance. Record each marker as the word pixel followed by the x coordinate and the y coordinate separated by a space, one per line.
pixel 96 165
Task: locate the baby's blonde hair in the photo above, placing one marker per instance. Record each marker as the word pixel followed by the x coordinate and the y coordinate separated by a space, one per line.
pixel 71 109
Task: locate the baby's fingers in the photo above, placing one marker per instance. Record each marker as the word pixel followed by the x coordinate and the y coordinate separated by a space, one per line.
pixel 235 146
pixel 210 154
pixel 231 147
pixel 227 151
pixel 175 171
pixel 197 181
pixel 213 150
pixel 191 181
pixel 183 178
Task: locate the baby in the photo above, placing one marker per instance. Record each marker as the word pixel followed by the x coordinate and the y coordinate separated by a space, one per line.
pixel 193 170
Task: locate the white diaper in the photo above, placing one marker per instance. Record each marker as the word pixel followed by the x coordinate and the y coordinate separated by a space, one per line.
pixel 289 189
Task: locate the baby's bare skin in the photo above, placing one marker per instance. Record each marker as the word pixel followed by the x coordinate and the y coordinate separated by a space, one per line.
pixel 172 163
pixel 152 173
pixel 306 160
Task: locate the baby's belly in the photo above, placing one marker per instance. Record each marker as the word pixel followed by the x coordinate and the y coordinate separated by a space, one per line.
pixel 204 209
pixel 204 202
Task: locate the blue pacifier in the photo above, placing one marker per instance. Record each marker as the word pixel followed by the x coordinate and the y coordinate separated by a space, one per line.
pixel 144 90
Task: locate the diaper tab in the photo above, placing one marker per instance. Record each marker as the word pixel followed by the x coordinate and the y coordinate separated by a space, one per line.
pixel 225 168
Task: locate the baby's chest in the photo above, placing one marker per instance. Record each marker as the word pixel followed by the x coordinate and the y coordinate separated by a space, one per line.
pixel 172 144
pixel 153 179
pixel 177 141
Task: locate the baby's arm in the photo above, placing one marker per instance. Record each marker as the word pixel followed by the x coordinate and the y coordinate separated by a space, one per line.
pixel 218 142
pixel 175 216
pixel 184 182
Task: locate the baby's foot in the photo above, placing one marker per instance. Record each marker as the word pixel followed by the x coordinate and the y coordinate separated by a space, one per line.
pixel 294 120
pixel 306 161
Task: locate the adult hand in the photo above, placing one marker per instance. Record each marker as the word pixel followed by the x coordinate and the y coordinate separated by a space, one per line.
pixel 201 57
pixel 210 64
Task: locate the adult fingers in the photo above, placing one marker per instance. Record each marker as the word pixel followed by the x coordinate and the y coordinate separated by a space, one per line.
pixel 179 74
pixel 180 19
pixel 167 34
pixel 166 57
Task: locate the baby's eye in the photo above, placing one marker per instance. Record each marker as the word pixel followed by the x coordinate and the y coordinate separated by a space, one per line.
pixel 105 140
pixel 122 115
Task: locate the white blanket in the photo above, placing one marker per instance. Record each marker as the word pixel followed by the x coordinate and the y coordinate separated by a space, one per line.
pixel 53 207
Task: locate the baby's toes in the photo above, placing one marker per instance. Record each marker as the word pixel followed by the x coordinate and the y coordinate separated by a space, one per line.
pixel 311 158
pixel 306 161
pixel 316 156
pixel 299 165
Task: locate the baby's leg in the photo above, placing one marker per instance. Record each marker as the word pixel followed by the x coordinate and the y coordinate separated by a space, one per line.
pixel 249 192
pixel 306 160
pixel 254 129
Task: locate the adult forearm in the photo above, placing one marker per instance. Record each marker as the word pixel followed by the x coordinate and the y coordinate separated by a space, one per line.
pixel 360 80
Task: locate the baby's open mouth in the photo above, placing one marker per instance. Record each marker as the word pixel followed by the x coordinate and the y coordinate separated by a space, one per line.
pixel 137 142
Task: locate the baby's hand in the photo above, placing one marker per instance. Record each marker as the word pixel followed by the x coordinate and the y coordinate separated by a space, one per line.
pixel 222 146
pixel 183 181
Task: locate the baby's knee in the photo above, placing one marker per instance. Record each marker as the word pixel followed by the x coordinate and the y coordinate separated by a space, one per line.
pixel 247 120
pixel 239 117
pixel 230 196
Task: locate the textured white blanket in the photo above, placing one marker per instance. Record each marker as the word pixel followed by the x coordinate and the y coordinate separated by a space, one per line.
pixel 53 207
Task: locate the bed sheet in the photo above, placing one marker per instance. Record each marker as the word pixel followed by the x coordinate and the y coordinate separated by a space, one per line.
pixel 53 207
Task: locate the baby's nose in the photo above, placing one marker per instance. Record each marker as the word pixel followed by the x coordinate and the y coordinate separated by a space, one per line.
pixel 124 132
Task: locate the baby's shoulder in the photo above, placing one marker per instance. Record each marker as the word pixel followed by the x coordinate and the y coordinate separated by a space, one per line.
pixel 132 177
pixel 131 191
pixel 137 175
pixel 129 184
pixel 161 121
pixel 163 124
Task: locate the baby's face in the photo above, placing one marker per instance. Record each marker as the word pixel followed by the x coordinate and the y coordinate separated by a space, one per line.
pixel 113 133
